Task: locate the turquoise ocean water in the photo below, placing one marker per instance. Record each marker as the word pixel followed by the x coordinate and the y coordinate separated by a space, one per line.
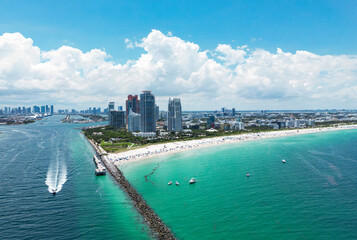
pixel 312 196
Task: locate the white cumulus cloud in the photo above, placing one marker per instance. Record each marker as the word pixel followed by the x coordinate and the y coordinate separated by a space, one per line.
pixel 205 79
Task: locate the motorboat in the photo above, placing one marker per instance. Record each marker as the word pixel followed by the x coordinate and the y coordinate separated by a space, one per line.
pixel 248 174
pixel 193 180
pixel 283 161
pixel 177 183
pixel 54 191
pixel 170 183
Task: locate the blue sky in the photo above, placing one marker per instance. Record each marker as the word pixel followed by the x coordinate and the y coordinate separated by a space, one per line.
pixel 321 28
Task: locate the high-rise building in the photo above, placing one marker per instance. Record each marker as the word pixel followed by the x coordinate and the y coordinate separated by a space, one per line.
pixel 43 109
pixel 210 121
pixel 36 109
pixel 133 121
pixel 174 117
pixel 133 104
pixel 111 106
pixel 233 112
pixel 157 112
pixel 117 119
pixel 47 109
pixel 52 110
pixel 147 112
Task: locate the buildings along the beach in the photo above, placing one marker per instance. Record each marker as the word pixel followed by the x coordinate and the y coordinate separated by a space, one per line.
pixel 132 103
pixel 174 117
pixel 117 119
pixel 133 121
pixel 147 112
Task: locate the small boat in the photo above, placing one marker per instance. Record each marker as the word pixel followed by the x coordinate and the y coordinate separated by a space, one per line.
pixel 169 183
pixel 54 192
pixel 283 161
pixel 248 174
pixel 193 180
pixel 177 183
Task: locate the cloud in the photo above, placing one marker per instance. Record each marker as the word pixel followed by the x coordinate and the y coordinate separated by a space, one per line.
pixel 204 79
pixel 129 43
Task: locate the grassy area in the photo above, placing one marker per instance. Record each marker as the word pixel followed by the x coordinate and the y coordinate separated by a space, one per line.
pixel 119 140
pixel 116 146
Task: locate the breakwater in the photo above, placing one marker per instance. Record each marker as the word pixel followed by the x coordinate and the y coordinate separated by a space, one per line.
pixel 100 170
pixel 154 222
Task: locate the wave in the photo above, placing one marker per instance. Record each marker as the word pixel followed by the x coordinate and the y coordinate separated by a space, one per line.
pixel 56 176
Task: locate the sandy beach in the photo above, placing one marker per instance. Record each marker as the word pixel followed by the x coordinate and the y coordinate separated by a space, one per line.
pixel 174 147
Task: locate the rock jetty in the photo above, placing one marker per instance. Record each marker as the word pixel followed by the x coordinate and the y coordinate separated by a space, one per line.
pixel 157 226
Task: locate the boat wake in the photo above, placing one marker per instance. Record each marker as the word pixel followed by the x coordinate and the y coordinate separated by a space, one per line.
pixel 56 176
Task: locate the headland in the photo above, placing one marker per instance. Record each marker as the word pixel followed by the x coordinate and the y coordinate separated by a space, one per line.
pixel 157 226
pixel 174 147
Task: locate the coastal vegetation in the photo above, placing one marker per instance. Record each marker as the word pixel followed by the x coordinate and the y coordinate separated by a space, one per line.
pixel 28 121
pixel 13 122
pixel 118 140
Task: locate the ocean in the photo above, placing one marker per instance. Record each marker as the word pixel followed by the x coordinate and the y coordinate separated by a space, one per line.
pixel 312 196
pixel 46 153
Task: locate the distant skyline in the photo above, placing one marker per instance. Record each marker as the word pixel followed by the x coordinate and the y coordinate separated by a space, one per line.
pixel 236 54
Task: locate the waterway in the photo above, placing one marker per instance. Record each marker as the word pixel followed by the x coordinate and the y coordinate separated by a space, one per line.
pixel 36 157
pixel 312 196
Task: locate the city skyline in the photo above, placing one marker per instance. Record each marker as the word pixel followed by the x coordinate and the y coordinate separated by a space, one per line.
pixel 292 61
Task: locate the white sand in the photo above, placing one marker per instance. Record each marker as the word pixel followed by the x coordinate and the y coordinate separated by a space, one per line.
pixel 173 147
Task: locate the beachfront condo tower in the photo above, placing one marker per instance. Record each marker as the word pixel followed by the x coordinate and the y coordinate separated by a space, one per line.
pixel 132 104
pixel 147 112
pixel 174 118
pixel 133 121
pixel 117 119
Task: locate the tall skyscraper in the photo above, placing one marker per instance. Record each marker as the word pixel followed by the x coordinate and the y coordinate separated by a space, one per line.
pixel 117 119
pixel 52 110
pixel 111 106
pixel 147 112
pixel 174 118
pixel 133 121
pixel 43 109
pixel 133 104
pixel 233 112
pixel 157 112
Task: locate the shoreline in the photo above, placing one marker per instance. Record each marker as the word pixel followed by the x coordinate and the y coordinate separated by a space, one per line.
pixel 158 228
pixel 174 147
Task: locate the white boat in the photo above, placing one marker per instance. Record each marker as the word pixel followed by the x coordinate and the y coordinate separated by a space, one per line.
pixel 283 161
pixel 248 174
pixel 170 183
pixel 177 183
pixel 193 180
